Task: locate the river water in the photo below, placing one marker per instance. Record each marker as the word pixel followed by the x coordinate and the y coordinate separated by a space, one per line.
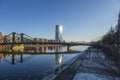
pixel 28 66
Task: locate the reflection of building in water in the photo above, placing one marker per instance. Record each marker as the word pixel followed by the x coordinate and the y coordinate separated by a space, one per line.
pixel 11 58
pixel 2 56
pixel 58 59
pixel 40 48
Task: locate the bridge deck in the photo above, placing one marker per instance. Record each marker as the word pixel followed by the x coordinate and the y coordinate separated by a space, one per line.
pixel 40 53
pixel 46 43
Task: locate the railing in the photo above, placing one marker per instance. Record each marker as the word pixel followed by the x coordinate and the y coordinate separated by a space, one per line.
pixel 60 43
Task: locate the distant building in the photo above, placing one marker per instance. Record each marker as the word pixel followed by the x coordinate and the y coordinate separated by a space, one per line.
pixel 41 40
pixel 7 39
pixel 2 56
pixel 1 40
pixel 36 39
pixel 18 39
pixel 51 41
pixel 58 33
pixel 1 37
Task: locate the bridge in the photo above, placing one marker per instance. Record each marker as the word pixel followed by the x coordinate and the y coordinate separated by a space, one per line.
pixel 44 43
pixel 14 38
pixel 22 38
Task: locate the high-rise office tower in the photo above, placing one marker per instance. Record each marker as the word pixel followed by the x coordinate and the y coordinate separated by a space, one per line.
pixel 58 33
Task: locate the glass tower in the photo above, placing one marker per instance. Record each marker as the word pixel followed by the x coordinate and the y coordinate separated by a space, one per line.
pixel 58 33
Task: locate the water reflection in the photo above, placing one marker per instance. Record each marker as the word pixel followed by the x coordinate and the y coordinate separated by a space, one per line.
pixel 19 57
pixel 12 69
pixel 14 58
pixel 58 57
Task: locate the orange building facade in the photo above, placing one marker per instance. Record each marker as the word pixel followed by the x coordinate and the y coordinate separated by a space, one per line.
pixel 1 40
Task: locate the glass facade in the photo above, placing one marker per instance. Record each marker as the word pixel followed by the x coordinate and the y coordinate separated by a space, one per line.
pixel 58 33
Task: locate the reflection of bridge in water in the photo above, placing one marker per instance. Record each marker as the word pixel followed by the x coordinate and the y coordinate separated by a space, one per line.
pixel 19 57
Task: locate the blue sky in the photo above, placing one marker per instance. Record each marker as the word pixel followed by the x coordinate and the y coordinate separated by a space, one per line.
pixel 82 20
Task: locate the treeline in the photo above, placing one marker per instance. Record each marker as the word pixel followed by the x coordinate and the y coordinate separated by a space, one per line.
pixel 111 38
pixel 111 43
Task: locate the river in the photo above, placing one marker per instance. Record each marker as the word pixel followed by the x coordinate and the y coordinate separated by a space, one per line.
pixel 27 66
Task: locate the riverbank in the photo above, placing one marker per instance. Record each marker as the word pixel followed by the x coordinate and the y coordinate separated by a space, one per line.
pixel 96 67
pixel 92 66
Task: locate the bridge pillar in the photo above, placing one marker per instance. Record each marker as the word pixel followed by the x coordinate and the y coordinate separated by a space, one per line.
pixel 68 48
pixel 36 48
pixel 13 36
pixel 21 58
pixel 22 37
pixel 45 49
pixel 13 39
pixel 13 59
pixel 41 49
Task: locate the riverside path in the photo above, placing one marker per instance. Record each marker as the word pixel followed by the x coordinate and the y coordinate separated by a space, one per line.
pixel 69 72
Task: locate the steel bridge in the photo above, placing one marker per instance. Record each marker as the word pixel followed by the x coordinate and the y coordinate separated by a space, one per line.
pixel 15 38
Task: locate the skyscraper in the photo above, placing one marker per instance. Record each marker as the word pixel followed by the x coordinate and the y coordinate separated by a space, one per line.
pixel 58 33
